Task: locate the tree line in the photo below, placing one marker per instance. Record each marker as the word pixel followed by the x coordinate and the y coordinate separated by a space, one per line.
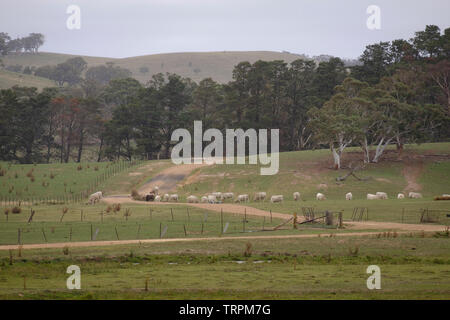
pixel 399 93
pixel 30 43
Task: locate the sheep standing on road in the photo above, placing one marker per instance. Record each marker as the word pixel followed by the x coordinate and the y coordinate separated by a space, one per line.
pixel 296 196
pixel 349 196
pixel 204 199
pixel 320 196
pixel 259 196
pixel 212 198
pixel 173 197
pixel 276 198
pixel 158 199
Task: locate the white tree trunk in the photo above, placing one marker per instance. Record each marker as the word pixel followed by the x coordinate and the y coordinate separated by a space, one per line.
pixel 380 149
pixel 336 157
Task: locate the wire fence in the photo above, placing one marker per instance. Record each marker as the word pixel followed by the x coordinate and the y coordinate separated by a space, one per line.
pixel 75 197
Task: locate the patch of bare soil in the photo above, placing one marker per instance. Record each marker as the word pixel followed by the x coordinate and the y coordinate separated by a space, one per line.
pixel 411 172
pixel 168 179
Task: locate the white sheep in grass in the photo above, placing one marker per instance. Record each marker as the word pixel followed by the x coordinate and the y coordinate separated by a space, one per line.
pixel 166 197
pixel 204 199
pixel 415 195
pixel 242 198
pixel 155 190
pixel 382 195
pixel 258 196
pixel 173 197
pixel 212 198
pixel 276 198
pixel 158 199
pixel 296 196
pixel 349 196
pixel 95 197
pixel 400 196
pixel 218 195
pixel 192 199
pixel 320 196
pixel 228 195
pixel 372 196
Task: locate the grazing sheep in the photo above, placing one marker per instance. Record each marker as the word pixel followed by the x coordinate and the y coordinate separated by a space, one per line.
pixel 415 195
pixel 155 190
pixel 173 197
pixel 204 199
pixel 228 195
pixel 150 197
pixel 259 196
pixel 277 198
pixel 158 199
pixel 446 195
pixel 212 198
pixel 93 198
pixel 218 195
pixel 349 196
pixel 372 196
pixel 296 196
pixel 320 196
pixel 192 199
pixel 242 198
pixel 400 196
pixel 165 197
pixel 382 195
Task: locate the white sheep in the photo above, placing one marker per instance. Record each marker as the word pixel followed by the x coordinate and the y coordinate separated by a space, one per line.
pixel 155 190
pixel 276 198
pixel 242 198
pixel 228 195
pixel 296 196
pixel 173 197
pixel 218 195
pixel 349 196
pixel 415 195
pixel 400 196
pixel 372 196
pixel 258 196
pixel 382 195
pixel 212 198
pixel 192 199
pixel 95 197
pixel 204 199
pixel 320 196
pixel 158 199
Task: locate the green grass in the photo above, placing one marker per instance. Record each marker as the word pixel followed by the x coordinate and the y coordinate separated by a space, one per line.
pixel 53 180
pixel 324 268
pixel 9 79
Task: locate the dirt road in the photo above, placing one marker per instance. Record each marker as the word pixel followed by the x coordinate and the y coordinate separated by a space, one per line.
pixel 154 241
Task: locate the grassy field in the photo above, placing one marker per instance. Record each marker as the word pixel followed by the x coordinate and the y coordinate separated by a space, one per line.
pixel 325 268
pixel 57 180
pixel 195 65
pixel 9 79
pixel 413 265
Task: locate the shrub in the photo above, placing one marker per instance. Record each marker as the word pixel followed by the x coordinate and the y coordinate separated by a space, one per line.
pixel 52 175
pixel 108 209
pixel 2 172
pixel 96 168
pixel 135 195
pixel 66 250
pixel 6 211
pixel 16 210
pixel 116 207
pixel 248 250
pixel 80 167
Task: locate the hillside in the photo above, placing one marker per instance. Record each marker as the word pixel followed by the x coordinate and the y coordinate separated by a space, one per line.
pixel 9 79
pixel 195 65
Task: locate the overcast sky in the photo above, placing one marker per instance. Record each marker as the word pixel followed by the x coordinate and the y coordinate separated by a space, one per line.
pixel 124 28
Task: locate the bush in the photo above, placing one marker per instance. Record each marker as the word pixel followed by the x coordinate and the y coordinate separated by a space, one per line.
pixel 16 210
pixel 135 195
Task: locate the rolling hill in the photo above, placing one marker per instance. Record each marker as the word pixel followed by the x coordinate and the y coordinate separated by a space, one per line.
pixel 195 65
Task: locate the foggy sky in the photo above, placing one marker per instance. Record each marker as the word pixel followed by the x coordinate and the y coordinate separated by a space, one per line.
pixel 124 28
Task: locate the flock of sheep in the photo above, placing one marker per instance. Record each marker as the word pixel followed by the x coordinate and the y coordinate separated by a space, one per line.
pixel 219 197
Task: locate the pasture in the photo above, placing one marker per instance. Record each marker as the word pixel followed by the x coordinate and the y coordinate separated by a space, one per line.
pixel 201 260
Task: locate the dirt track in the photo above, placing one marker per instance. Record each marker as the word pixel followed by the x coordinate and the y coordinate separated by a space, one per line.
pixel 154 241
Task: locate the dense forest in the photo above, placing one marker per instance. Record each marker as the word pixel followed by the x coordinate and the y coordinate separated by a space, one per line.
pixel 399 93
